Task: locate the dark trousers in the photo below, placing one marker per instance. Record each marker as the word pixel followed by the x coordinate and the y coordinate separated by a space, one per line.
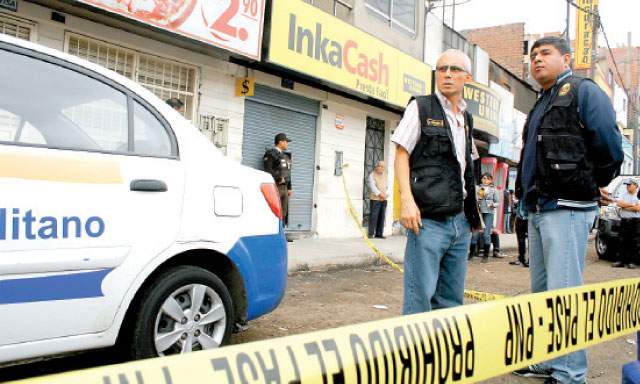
pixel 522 228
pixel 376 219
pixel 479 240
pixel 284 202
pixel 630 233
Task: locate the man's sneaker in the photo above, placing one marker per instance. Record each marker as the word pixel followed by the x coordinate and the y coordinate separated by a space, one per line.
pixel 534 371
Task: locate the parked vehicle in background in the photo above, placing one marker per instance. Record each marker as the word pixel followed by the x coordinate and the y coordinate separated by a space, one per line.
pixel 608 224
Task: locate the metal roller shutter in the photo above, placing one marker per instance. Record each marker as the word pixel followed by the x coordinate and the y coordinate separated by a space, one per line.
pixel 268 113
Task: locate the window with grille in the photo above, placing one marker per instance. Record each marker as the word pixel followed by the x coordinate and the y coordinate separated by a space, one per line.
pixel 398 12
pixel 165 78
pixel 12 26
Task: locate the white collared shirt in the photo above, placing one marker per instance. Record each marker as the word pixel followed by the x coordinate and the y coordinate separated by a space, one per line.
pixel 407 133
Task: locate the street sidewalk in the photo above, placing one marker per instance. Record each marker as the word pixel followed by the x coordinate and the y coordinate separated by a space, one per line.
pixel 322 254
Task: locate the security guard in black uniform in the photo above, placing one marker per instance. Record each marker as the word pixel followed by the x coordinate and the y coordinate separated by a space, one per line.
pixel 278 163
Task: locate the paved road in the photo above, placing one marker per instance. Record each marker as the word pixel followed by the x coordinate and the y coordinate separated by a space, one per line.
pixel 321 300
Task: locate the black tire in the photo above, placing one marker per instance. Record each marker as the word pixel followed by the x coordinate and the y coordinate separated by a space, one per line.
pixel 604 248
pixel 140 338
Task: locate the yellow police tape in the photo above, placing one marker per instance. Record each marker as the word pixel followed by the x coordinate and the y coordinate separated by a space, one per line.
pixel 466 344
pixel 363 232
pixel 482 296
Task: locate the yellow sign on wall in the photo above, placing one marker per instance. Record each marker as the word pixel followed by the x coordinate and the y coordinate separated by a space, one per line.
pixel 245 86
pixel 484 104
pixel 310 41
pixel 584 34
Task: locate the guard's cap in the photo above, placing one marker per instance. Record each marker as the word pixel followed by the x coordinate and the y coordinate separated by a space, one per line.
pixel 281 137
pixel 631 181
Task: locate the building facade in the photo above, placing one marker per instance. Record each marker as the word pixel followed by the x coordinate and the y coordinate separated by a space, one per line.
pixel 333 75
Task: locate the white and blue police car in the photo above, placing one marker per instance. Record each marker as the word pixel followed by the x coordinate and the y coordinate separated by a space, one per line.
pixel 120 223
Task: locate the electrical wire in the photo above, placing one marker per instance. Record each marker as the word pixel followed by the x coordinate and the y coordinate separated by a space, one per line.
pixel 448 5
pixel 597 18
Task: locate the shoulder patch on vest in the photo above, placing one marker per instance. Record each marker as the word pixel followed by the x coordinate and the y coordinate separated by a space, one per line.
pixel 435 123
pixel 564 89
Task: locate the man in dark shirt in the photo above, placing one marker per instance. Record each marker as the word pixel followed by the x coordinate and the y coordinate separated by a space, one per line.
pixel 572 147
pixel 277 162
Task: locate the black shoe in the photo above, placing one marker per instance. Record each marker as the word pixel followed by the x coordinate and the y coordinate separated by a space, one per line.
pixel 534 371
pixel 517 262
pixel 380 237
pixel 497 255
pixel 631 266
pixel 525 264
pixel 618 264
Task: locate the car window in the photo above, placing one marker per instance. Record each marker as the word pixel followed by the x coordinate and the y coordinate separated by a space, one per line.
pixel 46 104
pixel 150 136
pixel 13 128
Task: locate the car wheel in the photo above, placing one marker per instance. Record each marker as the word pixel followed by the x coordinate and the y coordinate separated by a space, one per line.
pixel 185 309
pixel 602 247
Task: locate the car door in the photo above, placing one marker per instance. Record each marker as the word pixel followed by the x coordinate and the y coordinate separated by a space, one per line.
pixel 91 190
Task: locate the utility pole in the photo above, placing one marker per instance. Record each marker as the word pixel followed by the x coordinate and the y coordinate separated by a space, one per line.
pixel 631 106
pixel 594 42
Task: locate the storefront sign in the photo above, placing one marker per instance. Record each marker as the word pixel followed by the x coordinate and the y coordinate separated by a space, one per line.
pixel 11 5
pixel 235 25
pixel 484 104
pixel 245 86
pixel 584 33
pixel 308 40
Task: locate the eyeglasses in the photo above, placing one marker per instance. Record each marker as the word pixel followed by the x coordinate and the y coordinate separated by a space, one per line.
pixel 453 68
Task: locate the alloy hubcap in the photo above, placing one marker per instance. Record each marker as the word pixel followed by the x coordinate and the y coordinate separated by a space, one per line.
pixel 192 318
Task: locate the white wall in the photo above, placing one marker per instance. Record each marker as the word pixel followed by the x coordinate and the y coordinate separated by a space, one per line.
pixel 334 219
pixel 620 105
pixel 433 41
pixel 481 66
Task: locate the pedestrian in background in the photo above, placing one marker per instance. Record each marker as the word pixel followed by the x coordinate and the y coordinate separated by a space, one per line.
pixel 629 205
pixel 176 104
pixel 434 168
pixel 521 234
pixel 377 182
pixel 506 211
pixel 278 163
pixel 572 146
pixel 488 200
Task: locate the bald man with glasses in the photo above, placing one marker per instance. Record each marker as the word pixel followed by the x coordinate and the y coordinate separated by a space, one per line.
pixel 434 169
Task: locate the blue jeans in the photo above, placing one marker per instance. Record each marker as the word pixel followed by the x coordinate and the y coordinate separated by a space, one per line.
pixel 435 264
pixel 486 232
pixel 557 251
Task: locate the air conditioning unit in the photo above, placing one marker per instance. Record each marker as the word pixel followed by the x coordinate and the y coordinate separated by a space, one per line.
pixel 216 129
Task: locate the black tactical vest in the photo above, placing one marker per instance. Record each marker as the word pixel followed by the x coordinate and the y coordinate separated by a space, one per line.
pixel 564 167
pixel 435 172
pixel 279 165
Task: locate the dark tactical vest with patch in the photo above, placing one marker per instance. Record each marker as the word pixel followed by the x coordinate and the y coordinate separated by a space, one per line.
pixel 435 177
pixel 564 168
